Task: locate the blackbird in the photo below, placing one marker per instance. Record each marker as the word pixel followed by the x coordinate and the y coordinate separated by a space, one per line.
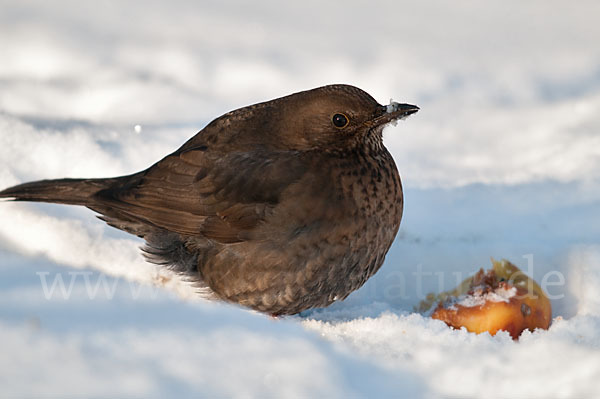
pixel 280 206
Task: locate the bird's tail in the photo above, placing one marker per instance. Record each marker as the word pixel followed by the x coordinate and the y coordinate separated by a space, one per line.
pixel 60 191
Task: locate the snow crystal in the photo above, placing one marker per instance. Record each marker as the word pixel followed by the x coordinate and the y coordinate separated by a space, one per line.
pixel 392 106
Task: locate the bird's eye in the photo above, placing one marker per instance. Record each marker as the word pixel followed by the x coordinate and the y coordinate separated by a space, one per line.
pixel 340 120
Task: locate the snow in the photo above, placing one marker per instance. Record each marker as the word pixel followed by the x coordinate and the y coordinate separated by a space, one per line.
pixel 502 160
pixel 479 298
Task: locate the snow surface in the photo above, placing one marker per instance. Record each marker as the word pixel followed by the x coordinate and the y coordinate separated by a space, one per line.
pixel 502 160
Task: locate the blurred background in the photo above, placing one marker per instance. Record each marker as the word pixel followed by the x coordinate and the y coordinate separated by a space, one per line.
pixel 502 161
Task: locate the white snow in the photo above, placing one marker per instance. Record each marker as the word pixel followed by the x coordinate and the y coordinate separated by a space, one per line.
pixel 479 298
pixel 502 160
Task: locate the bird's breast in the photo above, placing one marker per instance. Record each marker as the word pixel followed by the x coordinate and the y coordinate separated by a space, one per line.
pixel 373 186
pixel 328 234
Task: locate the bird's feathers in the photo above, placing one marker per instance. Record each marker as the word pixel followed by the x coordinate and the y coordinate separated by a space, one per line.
pixel 270 206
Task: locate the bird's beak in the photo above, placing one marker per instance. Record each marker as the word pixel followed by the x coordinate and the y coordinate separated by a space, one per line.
pixel 393 112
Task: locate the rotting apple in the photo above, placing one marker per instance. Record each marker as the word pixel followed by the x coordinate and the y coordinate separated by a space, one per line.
pixel 503 298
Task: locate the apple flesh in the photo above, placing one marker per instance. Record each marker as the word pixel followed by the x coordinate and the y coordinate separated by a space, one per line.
pixel 503 298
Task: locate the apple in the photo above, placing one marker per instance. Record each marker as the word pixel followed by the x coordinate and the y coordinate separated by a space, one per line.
pixel 503 298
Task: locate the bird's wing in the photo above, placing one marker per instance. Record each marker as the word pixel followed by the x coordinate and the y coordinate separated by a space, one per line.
pixel 222 197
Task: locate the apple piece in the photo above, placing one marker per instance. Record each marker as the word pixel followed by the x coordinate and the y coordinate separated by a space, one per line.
pixel 503 298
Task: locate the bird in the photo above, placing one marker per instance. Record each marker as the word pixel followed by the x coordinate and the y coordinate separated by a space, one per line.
pixel 280 206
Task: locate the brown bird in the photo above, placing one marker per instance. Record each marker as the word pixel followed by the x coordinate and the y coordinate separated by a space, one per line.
pixel 280 206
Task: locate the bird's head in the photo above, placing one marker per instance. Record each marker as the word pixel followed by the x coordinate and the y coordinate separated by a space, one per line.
pixel 336 116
